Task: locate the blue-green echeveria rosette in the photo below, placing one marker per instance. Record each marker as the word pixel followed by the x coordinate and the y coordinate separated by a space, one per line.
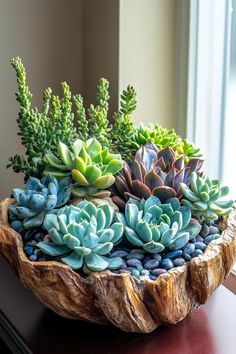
pixel 205 197
pixel 83 236
pixel 37 199
pixel 154 226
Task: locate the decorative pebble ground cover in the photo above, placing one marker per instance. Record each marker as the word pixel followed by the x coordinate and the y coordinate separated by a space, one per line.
pixel 136 262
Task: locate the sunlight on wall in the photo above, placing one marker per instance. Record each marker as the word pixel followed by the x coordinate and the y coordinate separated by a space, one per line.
pixel 147 57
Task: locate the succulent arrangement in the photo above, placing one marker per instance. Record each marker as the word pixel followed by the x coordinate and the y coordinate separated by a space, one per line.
pixel 64 120
pixel 165 210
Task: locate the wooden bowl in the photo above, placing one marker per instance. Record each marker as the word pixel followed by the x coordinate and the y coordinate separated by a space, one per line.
pixel 133 305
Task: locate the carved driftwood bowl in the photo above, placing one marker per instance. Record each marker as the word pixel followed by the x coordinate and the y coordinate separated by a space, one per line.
pixel 130 304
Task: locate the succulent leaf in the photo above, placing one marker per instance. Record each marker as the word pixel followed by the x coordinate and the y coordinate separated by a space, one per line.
pixel 34 221
pixel 54 161
pixel 65 155
pixel 144 231
pixel 95 262
pixel 193 230
pixel 132 237
pixel 79 177
pixel 153 247
pixel 104 182
pixel 113 263
pixel 53 249
pixel 179 241
pixel 74 260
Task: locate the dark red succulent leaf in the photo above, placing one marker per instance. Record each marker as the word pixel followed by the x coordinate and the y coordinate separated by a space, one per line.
pixel 152 180
pixel 179 163
pixel 164 193
pixel 168 156
pixel 147 156
pixel 143 170
pixel 160 164
pixel 126 172
pixel 179 178
pixel 151 146
pixel 169 179
pixel 195 164
pixel 130 195
pixel 162 175
pixel 136 171
pixel 119 202
pixel 140 189
pixel 187 175
pixel 121 184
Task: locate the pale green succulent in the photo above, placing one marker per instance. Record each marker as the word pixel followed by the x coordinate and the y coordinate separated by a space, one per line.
pixel 91 167
pixel 156 134
pixel 188 149
pixel 154 226
pixel 204 197
pixel 83 235
pixel 163 138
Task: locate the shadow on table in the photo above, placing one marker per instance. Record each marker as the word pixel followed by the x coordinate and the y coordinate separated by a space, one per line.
pixel 190 336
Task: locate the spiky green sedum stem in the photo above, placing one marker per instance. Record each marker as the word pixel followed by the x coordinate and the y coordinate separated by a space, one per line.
pixel 98 120
pixel 41 131
pixel 123 128
pixel 82 123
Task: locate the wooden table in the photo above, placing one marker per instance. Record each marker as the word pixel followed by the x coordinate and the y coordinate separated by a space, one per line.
pixel 28 327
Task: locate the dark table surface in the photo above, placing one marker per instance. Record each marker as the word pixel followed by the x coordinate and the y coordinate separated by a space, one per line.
pixel 28 327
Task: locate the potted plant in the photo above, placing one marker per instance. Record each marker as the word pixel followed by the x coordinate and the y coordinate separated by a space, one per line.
pixel 115 224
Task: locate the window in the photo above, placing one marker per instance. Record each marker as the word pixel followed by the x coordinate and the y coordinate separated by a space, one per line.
pixel 229 145
pixel 229 141
pixel 211 91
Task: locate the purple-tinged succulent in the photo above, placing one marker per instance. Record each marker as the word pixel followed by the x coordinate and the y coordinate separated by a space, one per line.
pixel 153 172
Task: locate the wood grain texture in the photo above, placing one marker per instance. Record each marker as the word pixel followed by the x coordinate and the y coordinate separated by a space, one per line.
pixel 133 305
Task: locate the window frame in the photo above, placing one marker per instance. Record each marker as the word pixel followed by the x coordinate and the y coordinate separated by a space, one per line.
pixel 202 100
pixel 208 75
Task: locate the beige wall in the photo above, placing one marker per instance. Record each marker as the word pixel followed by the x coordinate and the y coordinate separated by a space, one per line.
pixel 148 60
pixel 101 47
pixel 47 35
pixel 78 41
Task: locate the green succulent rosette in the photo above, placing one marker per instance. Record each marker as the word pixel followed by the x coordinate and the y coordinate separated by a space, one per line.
pixel 91 167
pixel 204 197
pixel 154 133
pixel 83 236
pixel 163 138
pixel 154 226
